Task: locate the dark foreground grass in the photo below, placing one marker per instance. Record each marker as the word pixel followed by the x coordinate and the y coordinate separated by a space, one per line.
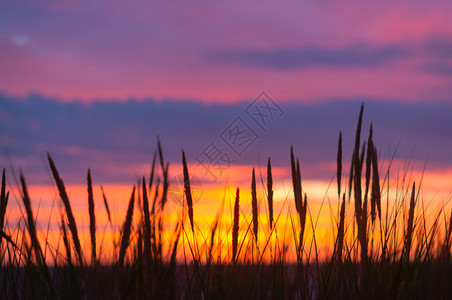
pixel 392 252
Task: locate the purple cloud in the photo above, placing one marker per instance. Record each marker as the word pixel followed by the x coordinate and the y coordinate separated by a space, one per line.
pixel 358 55
pixel 113 137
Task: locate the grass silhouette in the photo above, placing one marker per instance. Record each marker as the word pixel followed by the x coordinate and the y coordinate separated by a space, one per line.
pixel 389 252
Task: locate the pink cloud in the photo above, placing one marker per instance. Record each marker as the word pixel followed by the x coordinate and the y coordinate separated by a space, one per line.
pixel 82 50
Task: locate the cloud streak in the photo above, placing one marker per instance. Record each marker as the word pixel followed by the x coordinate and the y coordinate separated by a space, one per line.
pixel 441 69
pixel 358 55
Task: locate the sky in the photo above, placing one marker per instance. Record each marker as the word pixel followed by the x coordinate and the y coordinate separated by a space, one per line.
pixel 94 83
pixel 81 73
pixel 227 52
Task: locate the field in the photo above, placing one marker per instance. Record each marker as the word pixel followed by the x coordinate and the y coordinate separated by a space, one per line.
pixel 385 245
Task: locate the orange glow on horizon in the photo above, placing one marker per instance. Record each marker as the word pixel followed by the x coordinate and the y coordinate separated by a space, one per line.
pixel 215 198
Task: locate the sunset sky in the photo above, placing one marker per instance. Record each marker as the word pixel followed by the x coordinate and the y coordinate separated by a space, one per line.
pixel 95 82
pixel 228 52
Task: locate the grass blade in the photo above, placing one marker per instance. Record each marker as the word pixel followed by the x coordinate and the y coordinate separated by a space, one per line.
pixel 376 194
pixel 66 241
pixel 409 231
pixel 235 227
pixel 188 191
pixel 126 229
pixel 341 233
pixel 3 202
pixel 147 224
pixel 31 223
pixel 339 165
pixel 254 206
pixel 92 219
pixel 67 206
pixel 151 177
pixel 295 182
pixel 270 193
pixel 106 204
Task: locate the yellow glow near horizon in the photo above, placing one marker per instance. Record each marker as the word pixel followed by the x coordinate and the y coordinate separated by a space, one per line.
pixel 216 199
